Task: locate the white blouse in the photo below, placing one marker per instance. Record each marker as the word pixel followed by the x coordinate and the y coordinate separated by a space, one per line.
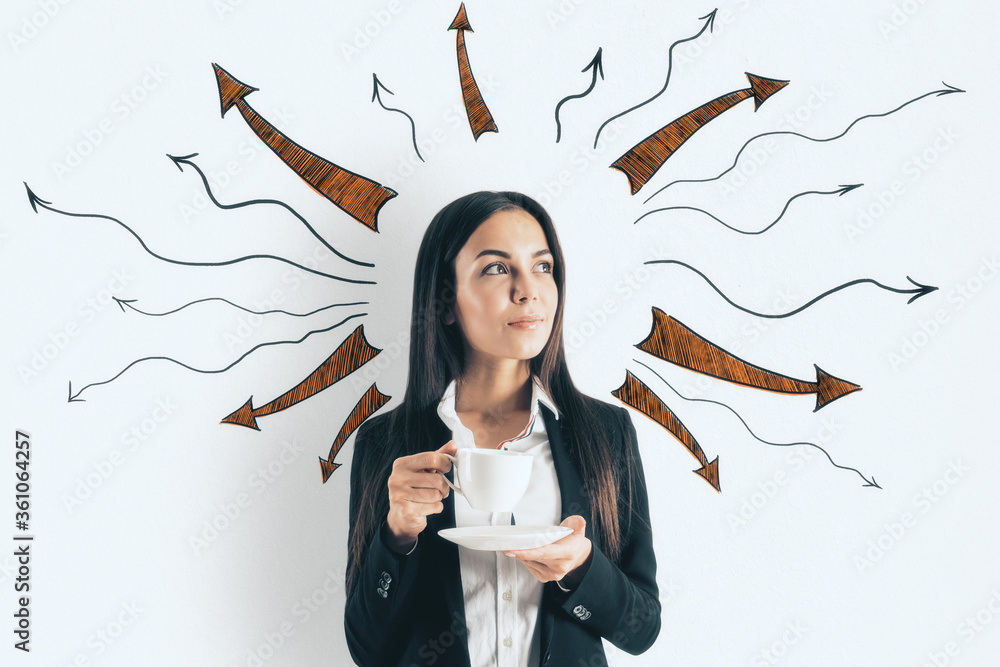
pixel 502 598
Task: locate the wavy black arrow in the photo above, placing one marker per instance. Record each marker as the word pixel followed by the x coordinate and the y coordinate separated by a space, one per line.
pixel 868 482
pixel 122 303
pixel 74 398
pixel 918 291
pixel 842 190
pixel 36 201
pixel 598 66
pixel 376 84
pixel 709 25
pixel 186 159
pixel 948 90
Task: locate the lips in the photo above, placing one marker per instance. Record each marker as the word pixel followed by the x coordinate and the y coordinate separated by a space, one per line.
pixel 526 320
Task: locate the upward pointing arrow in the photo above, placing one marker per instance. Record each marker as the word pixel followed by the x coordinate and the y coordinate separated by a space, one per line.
pixel 480 119
pixel 359 197
pixel 645 158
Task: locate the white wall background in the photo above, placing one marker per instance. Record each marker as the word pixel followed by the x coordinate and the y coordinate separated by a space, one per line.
pixel 795 562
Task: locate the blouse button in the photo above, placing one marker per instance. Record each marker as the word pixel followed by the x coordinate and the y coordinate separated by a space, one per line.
pixel 508 642
pixel 507 596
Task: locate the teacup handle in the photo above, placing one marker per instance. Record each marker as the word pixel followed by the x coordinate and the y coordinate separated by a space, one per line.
pixel 454 464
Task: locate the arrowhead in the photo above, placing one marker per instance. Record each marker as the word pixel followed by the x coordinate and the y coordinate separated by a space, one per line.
pixel 461 21
pixel 183 159
pixel 924 290
pixel 872 483
pixel 762 88
pixel 243 416
pixel 844 189
pixel 949 90
pixel 34 199
pixel 710 471
pixel 327 467
pixel 231 90
pixel 711 19
pixel 121 302
pixel 831 388
pixel 72 398
pixel 375 86
pixel 597 62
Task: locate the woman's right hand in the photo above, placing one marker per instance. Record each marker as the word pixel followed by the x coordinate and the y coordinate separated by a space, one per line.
pixel 416 489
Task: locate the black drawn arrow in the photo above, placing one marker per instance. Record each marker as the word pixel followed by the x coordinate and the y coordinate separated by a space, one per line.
pixel 598 66
pixel 947 90
pixel 709 25
pixel 868 482
pixel 36 201
pixel 376 84
pixel 122 303
pixel 918 291
pixel 186 159
pixel 74 398
pixel 842 190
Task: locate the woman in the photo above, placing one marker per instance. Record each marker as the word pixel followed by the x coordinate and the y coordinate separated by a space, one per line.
pixel 488 369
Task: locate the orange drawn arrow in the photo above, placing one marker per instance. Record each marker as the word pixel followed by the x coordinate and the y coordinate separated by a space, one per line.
pixel 480 119
pixel 353 353
pixel 359 197
pixel 634 393
pixel 672 341
pixel 369 403
pixel 641 162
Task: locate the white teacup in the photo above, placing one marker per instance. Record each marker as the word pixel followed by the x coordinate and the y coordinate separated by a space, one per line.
pixel 492 480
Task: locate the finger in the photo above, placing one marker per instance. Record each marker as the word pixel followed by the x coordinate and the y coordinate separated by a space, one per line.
pixel 576 523
pixel 449 447
pixel 417 495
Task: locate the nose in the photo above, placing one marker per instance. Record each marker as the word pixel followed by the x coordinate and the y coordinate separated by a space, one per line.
pixel 524 288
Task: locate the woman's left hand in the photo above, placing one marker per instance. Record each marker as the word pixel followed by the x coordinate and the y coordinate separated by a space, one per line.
pixel 565 560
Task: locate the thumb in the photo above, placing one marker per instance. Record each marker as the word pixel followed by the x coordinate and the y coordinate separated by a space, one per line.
pixel 576 522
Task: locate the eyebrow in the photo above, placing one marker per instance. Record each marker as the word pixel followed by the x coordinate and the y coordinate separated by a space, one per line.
pixel 501 253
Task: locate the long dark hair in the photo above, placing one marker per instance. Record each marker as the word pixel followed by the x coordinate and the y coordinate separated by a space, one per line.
pixel 437 356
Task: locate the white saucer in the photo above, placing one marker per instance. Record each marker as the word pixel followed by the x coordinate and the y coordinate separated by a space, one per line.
pixel 504 538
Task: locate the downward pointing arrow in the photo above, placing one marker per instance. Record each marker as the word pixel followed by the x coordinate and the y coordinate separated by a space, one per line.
pixel 637 395
pixel 645 158
pixel 359 197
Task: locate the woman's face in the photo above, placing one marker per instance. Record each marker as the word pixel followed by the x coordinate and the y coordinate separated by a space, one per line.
pixel 506 294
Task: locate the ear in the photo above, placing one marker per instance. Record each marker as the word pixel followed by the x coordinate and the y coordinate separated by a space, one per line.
pixel 449 316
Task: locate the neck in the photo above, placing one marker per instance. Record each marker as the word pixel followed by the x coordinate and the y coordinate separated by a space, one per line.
pixel 490 388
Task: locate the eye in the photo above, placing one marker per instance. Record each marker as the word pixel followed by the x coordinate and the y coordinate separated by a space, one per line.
pixel 500 268
pixel 546 267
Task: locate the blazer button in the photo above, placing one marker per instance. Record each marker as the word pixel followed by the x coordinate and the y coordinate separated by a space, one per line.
pixel 381 591
pixel 386 578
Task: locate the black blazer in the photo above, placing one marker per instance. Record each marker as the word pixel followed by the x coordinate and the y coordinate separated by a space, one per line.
pixel 409 609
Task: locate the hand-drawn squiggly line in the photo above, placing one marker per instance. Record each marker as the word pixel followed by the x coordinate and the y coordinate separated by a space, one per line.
pixel 128 302
pixel 598 66
pixel 844 189
pixel 868 482
pixel 921 290
pixel 186 159
pixel 36 201
pixel 945 91
pixel 74 398
pixel 709 25
pixel 376 84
